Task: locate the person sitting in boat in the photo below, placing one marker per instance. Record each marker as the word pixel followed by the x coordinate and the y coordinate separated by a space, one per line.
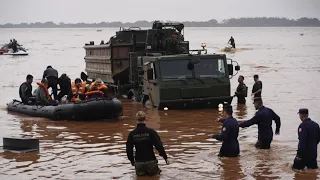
pixel 231 42
pixel 97 89
pixel 42 94
pixel 101 87
pixel 25 90
pixel 65 86
pixel 78 91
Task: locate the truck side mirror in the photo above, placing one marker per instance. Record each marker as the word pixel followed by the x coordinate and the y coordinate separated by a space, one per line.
pixel 150 74
pixel 237 68
pixel 230 69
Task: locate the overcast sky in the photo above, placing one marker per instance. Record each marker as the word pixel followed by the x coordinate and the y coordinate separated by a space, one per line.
pixel 73 11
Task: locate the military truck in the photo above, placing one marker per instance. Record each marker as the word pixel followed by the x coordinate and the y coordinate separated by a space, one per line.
pixel 140 65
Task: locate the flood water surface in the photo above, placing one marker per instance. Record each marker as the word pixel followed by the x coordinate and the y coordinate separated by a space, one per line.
pixel 288 65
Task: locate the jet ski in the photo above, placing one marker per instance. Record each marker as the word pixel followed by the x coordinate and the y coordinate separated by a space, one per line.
pixel 5 50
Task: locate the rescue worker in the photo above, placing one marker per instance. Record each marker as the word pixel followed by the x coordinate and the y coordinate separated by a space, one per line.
pixel 65 86
pixel 231 42
pixel 241 92
pixel 229 135
pixel 52 76
pixel 173 44
pixel 42 94
pixel 78 91
pixel 257 87
pixel 25 90
pixel 143 139
pixel 97 88
pixel 263 118
pixel 309 137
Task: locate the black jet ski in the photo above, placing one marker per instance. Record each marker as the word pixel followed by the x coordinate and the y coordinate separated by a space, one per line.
pixel 92 109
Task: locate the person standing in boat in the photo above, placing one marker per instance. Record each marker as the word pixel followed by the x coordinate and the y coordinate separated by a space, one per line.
pixel 143 139
pixel 257 87
pixel 25 90
pixel 241 92
pixel 78 91
pixel 51 75
pixel 65 86
pixel 232 42
pixel 42 94
pixel 229 135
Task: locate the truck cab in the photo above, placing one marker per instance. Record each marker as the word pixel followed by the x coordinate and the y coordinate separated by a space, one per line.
pixel 187 80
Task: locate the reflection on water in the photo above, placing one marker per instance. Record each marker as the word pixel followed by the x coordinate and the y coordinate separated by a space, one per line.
pixel 287 64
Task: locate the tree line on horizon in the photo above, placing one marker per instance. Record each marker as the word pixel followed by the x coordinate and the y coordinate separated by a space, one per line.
pixel 233 22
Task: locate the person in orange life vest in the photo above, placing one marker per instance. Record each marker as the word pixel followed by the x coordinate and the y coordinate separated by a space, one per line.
pixel 78 90
pixel 94 93
pixel 42 95
pixel 100 88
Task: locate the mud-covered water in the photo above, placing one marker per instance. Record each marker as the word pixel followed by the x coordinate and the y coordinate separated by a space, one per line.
pixel 287 63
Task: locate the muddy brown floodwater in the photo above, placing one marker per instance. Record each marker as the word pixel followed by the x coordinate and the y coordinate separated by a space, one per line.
pixel 288 64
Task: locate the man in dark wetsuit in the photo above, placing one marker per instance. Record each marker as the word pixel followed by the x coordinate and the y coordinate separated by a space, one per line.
pixel 229 135
pixel 25 90
pixel 173 44
pixel 143 139
pixel 257 87
pixel 241 92
pixel 309 137
pixel 65 86
pixel 231 42
pixel 263 118
pixel 52 76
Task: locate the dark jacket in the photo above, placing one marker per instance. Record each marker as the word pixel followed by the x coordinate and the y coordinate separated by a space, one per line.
pixel 309 137
pixel 143 139
pixel 241 93
pixel 64 83
pixel 229 136
pixel 263 118
pixel 25 92
pixel 50 72
pixel 257 85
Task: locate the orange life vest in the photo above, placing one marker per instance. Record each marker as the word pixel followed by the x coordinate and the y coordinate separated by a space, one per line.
pixel 45 90
pixel 78 91
pixel 94 92
pixel 101 87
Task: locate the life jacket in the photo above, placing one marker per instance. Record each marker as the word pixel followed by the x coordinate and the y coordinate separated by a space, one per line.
pixel 89 93
pixel 78 91
pixel 45 90
pixel 101 87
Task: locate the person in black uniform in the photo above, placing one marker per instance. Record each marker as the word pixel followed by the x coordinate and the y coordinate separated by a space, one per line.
pixel 52 76
pixel 143 139
pixel 241 92
pixel 229 135
pixel 65 86
pixel 25 90
pixel 231 42
pixel 257 87
pixel 309 137
pixel 263 118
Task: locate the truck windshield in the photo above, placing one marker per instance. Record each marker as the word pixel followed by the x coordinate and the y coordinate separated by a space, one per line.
pixel 206 68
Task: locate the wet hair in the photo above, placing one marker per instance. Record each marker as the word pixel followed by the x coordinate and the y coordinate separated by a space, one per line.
pixel 241 77
pixel 49 67
pixel 77 80
pixel 256 76
pixel 29 76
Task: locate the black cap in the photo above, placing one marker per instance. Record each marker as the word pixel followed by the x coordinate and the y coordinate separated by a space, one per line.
pixel 303 111
pixel 228 109
pixel 257 99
